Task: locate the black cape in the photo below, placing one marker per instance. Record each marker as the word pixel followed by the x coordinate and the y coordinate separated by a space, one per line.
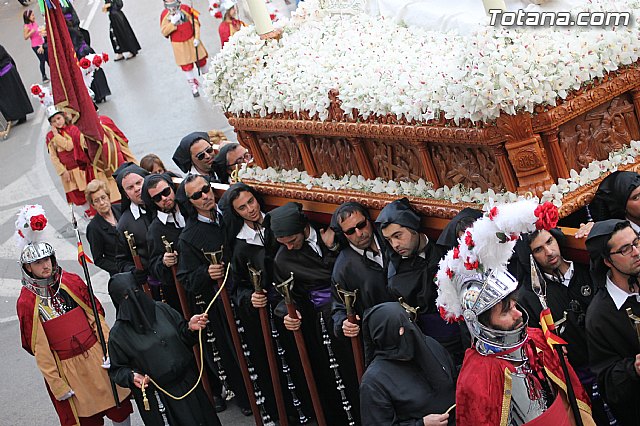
pixel 123 39
pixel 14 101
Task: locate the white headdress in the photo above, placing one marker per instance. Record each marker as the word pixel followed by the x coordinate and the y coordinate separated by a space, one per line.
pixel 30 225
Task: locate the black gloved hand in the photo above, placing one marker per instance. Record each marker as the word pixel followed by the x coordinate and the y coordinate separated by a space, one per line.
pixel 140 276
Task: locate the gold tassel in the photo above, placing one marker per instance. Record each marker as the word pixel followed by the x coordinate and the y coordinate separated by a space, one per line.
pixel 145 401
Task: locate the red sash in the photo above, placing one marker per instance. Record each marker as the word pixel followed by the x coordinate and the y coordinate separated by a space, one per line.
pixel 69 334
pixel 556 415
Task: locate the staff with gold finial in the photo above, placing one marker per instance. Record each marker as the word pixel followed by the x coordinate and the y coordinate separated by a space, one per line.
pixel 349 298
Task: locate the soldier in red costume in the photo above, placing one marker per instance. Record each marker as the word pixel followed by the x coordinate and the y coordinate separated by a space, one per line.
pixel 181 25
pixel 511 375
pixel 58 328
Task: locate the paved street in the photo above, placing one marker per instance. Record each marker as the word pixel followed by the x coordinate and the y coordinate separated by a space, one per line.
pixel 152 103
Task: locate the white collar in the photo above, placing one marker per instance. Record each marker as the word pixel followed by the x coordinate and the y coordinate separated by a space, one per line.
pixel 566 278
pixel 634 226
pixel 195 171
pixel 251 236
pixel 175 217
pixel 136 210
pixel 618 295
pixel 375 257
pixel 312 239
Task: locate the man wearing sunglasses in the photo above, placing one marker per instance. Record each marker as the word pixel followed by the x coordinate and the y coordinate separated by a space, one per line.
pixel 413 261
pixel 230 156
pixel 614 348
pixel 202 233
pixel 360 266
pixel 158 194
pixel 196 155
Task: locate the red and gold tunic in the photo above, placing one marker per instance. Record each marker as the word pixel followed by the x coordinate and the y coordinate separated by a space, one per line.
pixel 182 36
pixel 74 366
pixel 67 155
pixel 229 28
pixel 483 394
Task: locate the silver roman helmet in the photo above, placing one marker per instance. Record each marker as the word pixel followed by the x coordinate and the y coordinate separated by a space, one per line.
pixel 43 287
pixel 480 293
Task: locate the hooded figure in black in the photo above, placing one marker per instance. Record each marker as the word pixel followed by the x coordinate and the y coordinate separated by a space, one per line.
pixel 409 376
pixel 304 253
pixel 14 101
pixel 250 244
pixel 412 265
pixel 205 233
pixel 612 196
pixel 151 338
pixel 220 163
pixel 359 270
pixel 167 224
pixel 134 219
pixel 182 156
pixel 611 337
pixel 448 238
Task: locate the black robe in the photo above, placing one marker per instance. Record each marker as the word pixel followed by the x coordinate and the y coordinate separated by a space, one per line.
pixel 385 399
pixel 157 269
pixel 139 228
pixel 357 272
pixel 14 101
pixel 99 85
pixel 312 273
pixel 613 346
pixel 122 36
pixel 193 273
pixel 103 241
pixel 412 279
pixel 164 353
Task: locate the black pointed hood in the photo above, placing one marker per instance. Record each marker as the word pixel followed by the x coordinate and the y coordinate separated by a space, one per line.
pixel 400 213
pixel 120 173
pixel 182 155
pixel 610 201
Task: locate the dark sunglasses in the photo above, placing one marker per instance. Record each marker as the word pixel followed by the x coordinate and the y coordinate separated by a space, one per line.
pixel 198 194
pixel 164 193
pixel 352 231
pixel 200 155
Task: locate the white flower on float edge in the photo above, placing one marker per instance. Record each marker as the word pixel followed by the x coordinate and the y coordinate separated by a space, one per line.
pixel 455 194
pixel 382 68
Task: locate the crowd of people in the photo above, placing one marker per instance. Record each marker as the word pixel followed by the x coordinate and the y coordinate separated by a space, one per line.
pixel 385 356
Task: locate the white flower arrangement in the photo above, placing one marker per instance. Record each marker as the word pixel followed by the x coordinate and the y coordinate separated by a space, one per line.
pixel 381 68
pixel 454 194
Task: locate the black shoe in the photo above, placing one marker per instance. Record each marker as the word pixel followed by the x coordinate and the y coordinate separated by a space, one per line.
pixel 246 412
pixel 220 404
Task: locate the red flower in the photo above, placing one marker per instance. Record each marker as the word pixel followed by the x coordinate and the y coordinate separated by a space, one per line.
pixel 443 315
pixel 218 15
pixel 456 252
pixel 493 213
pixel 514 237
pixel 547 215
pixel 38 222
pixel 97 61
pixel 272 16
pixel 449 273
pixel 105 57
pixel 215 5
pixel 36 89
pixel 84 63
pixel 471 265
pixel 468 240
pixel 20 233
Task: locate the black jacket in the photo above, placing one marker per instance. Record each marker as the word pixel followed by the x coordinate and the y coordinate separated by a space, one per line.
pixel 139 228
pixel 103 240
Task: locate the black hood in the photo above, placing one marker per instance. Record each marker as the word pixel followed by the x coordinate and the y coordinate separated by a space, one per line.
pixel 232 221
pixel 400 213
pixel 220 162
pixel 123 170
pixel 448 238
pixel 182 155
pixel 134 306
pixel 152 180
pixel 286 220
pixel 349 206
pixel 610 201
pixel 597 246
pixel 187 209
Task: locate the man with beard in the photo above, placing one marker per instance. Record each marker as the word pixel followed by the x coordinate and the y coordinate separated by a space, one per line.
pixel 412 263
pixel 254 246
pixel 359 267
pixel 158 194
pixel 305 252
pixel 196 155
pixel 614 349
pixel 512 375
pixel 135 220
pixel 204 232
pixel 569 291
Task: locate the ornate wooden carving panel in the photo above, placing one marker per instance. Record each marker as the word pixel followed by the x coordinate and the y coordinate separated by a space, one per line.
pixel 334 156
pixel 281 151
pixel 593 135
pixel 395 160
pixel 474 167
